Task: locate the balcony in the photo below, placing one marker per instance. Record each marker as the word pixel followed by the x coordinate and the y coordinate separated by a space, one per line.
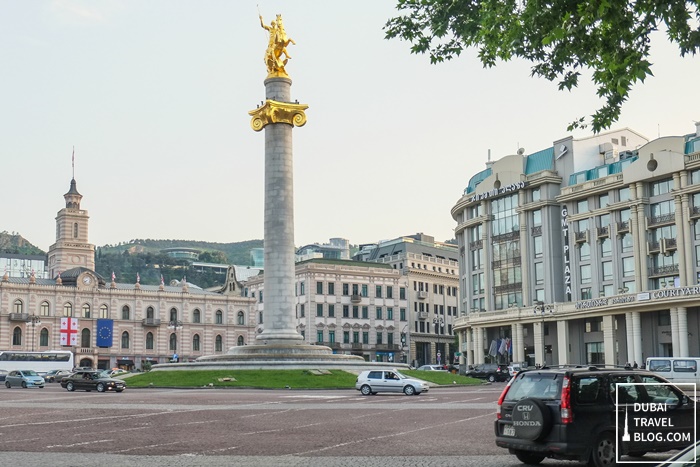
pixel 623 227
pixel 423 315
pixel 387 347
pixel 536 231
pixel 669 218
pixel 475 245
pixel 581 237
pixel 85 350
pixel 603 232
pixel 19 317
pixel 151 322
pixel 664 270
pixel 355 298
pixel 422 294
pixel 356 346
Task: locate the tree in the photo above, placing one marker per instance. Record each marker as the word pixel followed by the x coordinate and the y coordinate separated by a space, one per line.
pixel 560 37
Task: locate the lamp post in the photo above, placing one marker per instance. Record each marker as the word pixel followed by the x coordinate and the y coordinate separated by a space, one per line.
pixel 439 325
pixel 175 325
pixel 34 320
pixel 405 344
pixel 542 309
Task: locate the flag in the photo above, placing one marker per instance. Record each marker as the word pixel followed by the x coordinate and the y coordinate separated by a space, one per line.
pixel 509 346
pixel 113 276
pixel 104 332
pixel 138 278
pixel 162 282
pixel 502 347
pixel 69 331
pixel 493 348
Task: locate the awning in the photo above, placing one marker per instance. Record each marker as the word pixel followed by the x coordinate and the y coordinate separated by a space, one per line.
pixel 125 362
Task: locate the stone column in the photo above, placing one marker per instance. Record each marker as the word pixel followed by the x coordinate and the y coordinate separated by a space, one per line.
pixel 563 341
pixel 637 337
pixel 630 337
pixel 609 339
pixel 538 334
pixel 674 333
pixel 682 332
pixel 519 349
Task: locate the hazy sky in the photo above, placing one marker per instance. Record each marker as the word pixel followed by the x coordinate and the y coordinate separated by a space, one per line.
pixel 154 95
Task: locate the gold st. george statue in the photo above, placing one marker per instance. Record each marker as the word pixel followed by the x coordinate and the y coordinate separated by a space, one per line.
pixel 276 48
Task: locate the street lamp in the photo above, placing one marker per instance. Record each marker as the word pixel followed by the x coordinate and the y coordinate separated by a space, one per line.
pixel 34 320
pixel 438 321
pixel 175 325
pixel 405 344
pixel 542 309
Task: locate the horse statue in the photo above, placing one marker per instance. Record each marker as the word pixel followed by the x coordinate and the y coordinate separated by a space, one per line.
pixel 277 47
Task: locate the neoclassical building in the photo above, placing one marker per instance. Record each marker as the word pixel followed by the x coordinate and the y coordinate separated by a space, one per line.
pixel 587 251
pixel 144 323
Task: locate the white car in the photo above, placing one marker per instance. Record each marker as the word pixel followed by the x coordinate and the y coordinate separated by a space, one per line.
pixel 374 381
pixel 431 368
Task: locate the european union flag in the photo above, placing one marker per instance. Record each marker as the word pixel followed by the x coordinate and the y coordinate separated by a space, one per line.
pixel 104 332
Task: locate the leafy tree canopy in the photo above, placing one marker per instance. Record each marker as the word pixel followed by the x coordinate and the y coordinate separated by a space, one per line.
pixel 560 37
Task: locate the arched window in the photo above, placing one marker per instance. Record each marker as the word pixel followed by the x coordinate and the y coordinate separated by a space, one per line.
pixel 240 340
pixel 44 309
pixel 17 336
pixel 149 341
pixel 104 311
pixel 75 230
pixel 85 338
pixel 219 345
pixel 173 342
pixel 195 343
pixel 260 317
pixel 150 312
pixel 241 318
pixel 86 310
pixel 219 317
pixel 173 314
pixel 196 316
pixel 68 310
pixel 17 306
pixel 125 340
pixel 44 338
pixel 126 313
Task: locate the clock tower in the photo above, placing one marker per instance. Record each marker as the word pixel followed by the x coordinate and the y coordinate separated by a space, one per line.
pixel 71 249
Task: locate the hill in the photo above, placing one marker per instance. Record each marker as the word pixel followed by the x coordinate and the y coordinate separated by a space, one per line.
pixel 14 243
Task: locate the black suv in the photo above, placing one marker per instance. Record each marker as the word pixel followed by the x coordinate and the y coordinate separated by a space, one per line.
pixel 575 413
pixel 490 371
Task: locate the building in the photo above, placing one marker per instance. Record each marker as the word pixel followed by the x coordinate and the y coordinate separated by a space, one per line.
pixel 140 323
pixel 431 270
pixel 353 308
pixel 23 265
pixel 338 248
pixel 587 251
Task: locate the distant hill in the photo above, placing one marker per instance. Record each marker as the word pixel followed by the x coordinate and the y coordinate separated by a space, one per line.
pixel 235 253
pixel 14 243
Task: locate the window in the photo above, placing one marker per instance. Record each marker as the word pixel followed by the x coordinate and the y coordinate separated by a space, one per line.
pixel 149 341
pixel 586 293
pixel 67 309
pixel 380 337
pixel 240 318
pixel 537 243
pixel 389 291
pixel 536 218
pixel 172 342
pixel 260 317
pixel 402 314
pixel 346 337
pixel 607 270
pixel 346 311
pixel 150 312
pixel 389 313
pixel 17 336
pixel 379 312
pixel 104 312
pixel 365 312
pixel 44 338
pixel 319 310
pixel 302 290
pixel 173 314
pixel 75 230
pixel 240 341
pixel 685 366
pixel 301 311
pixel 125 340
pixel 594 353
pixel 331 337
pixel 402 293
pixel 594 324
pixel 195 343
pixel 582 206
pixel 319 335
pixel 196 316
pixel 18 306
pixel 628 266
pixel 346 289
pixel 319 288
pixel 331 288
pixel 536 196
pixel 86 310
pixel 331 310
pixel 44 309
pixel 364 290
pixel 218 343
pixel 606 247
pixel 390 338
pixel 603 200
pixel 539 273
pixel 219 317
pixel 661 187
pixel 585 273
pixel 365 337
pixel 627 243
pixel 623 194
pixel 85 338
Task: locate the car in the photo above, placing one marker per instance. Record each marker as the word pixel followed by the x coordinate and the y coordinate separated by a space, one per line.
pixel 583 412
pixel 89 380
pixel 24 378
pixel 688 456
pixel 514 368
pixel 491 372
pixel 431 368
pixel 374 381
pixel 3 374
pixel 55 376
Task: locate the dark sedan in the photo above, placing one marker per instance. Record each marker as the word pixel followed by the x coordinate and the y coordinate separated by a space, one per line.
pixel 92 380
pixel 55 376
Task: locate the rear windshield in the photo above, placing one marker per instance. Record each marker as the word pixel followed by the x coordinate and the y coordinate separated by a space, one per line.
pixel 535 384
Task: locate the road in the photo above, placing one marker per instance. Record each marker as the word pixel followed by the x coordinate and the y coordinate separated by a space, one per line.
pixel 449 426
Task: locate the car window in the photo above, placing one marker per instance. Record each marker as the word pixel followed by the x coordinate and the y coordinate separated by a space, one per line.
pixel 661 393
pixel 658 366
pixel 622 391
pixel 540 385
pixel 587 389
pixel 375 375
pixel 685 366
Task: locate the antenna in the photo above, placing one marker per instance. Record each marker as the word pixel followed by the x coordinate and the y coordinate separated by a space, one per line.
pixel 73 162
pixel 489 159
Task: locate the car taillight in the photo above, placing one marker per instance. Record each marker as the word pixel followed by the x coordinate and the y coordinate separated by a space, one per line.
pixel 566 415
pixel 500 399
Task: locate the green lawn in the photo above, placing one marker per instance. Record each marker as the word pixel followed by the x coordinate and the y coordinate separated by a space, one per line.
pixel 274 379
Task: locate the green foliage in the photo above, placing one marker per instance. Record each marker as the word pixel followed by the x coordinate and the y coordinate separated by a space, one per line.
pixel 560 37
pixel 13 243
pixel 269 379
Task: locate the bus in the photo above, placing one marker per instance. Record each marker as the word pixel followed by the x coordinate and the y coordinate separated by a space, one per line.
pixel 41 362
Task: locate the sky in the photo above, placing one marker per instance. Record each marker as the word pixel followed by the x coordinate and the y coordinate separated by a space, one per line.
pixel 154 97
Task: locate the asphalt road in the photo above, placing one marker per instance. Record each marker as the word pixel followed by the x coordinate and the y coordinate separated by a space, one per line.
pixel 449 426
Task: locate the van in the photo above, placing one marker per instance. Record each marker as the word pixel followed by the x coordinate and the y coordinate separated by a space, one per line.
pixel 675 369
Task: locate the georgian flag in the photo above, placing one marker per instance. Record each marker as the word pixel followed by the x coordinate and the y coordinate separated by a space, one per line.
pixel 69 331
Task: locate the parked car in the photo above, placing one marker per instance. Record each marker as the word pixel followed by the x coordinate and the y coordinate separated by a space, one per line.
pixel 3 373
pixel 514 368
pixel 24 378
pixel 89 380
pixel 491 372
pixel 431 368
pixel 374 381
pixel 55 376
pixel 583 413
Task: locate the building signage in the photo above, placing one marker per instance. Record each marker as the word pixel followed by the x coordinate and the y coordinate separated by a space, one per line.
pixel 596 302
pixel 498 191
pixel 567 262
pixel 640 297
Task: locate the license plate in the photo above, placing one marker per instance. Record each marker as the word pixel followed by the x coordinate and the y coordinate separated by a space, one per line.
pixel 508 430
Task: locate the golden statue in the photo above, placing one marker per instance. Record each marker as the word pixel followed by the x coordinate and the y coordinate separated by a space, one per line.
pixel 276 47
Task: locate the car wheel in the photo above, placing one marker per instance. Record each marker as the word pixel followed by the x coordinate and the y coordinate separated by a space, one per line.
pixel 529 458
pixel 603 452
pixel 409 390
pixel 100 387
pixel 492 378
pixel 24 384
pixel 8 385
pixel 366 390
pixel 70 387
